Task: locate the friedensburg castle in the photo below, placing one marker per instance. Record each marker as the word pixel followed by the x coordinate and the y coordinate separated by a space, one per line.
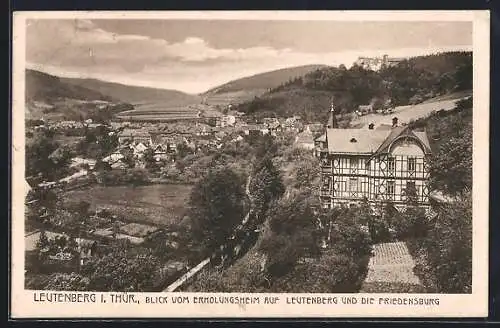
pixel 376 165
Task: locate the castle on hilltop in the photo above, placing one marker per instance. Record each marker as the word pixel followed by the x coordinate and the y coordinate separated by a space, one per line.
pixel 377 63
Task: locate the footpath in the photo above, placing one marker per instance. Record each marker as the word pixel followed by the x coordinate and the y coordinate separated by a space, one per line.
pixel 390 270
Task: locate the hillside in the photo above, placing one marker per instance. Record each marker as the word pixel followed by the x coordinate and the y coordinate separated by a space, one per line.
pixel 411 82
pixel 52 98
pixel 57 98
pixel 135 95
pixel 247 88
pixel 48 88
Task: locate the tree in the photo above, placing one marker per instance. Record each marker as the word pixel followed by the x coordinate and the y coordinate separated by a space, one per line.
pixel 451 167
pixel 98 142
pixel 121 270
pixel 265 187
pixel 216 206
pixel 182 150
pixel 128 157
pixel 463 76
pixel 263 145
pixel 348 236
pixel 290 234
pixel 149 159
pixel 444 256
pixel 331 273
pixel 45 157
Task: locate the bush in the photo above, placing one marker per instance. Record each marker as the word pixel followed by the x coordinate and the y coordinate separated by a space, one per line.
pixel 216 206
pixel 67 282
pixel 133 176
pixel 412 223
pixel 331 273
pixel 291 234
pixel 444 256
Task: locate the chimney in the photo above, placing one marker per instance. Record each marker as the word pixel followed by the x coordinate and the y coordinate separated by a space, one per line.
pixel 371 126
pixel 394 122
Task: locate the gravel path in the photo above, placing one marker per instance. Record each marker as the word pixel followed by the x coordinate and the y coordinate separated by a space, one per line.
pixel 391 263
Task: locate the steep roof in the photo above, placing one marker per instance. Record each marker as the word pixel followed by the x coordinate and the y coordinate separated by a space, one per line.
pixel 362 141
pixel 405 131
pixel 393 134
pixel 359 141
pixel 304 137
pixel 423 137
pixel 321 138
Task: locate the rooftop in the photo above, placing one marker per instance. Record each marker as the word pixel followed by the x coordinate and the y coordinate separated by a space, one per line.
pixel 362 141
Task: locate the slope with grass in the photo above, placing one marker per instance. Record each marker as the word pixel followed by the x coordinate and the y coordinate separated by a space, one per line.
pixel 247 88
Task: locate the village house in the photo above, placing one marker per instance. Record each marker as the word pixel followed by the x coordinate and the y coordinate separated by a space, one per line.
pixel 226 120
pixel 162 152
pixel 115 160
pixel 293 124
pixel 376 165
pixel 134 136
pixel 254 129
pixel 364 109
pixel 138 149
pixel 79 162
pixel 305 140
pixel 274 128
pixel 69 125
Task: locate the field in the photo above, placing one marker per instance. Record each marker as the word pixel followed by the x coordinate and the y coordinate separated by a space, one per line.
pixel 161 204
pixel 163 112
pixel 233 97
pixel 407 113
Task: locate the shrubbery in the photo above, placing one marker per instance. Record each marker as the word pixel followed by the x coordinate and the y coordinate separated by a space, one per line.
pixel 444 255
pixel 217 206
pixel 133 176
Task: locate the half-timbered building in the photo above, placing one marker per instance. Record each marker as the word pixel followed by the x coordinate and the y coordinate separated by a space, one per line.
pixel 376 165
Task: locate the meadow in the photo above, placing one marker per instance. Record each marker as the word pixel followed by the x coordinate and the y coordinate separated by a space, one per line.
pixel 405 114
pixel 159 204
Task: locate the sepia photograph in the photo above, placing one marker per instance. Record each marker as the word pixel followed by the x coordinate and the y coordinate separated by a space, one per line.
pixel 215 154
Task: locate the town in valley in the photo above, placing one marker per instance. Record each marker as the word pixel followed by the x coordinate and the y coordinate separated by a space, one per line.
pixel 350 177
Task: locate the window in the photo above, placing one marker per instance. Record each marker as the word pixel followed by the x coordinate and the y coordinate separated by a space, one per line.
pixel 391 164
pixel 411 190
pixel 354 162
pixel 390 188
pixel 353 185
pixel 411 164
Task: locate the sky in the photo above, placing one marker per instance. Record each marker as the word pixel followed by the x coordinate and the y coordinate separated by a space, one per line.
pixel 195 55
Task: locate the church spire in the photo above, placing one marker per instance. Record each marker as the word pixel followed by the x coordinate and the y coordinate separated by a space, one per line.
pixel 332 121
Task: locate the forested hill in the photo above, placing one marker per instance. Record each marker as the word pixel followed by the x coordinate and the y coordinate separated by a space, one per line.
pixel 265 80
pixel 244 89
pixel 51 97
pixel 411 81
pixel 135 95
pixel 48 88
